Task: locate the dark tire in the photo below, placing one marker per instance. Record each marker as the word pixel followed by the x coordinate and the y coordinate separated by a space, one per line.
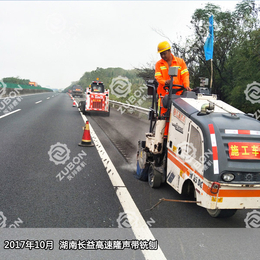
pixel 154 177
pixel 188 189
pixel 82 107
pixel 221 213
pixel 108 113
pixel 79 106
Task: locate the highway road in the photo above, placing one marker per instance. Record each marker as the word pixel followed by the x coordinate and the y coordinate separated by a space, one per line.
pixel 48 181
pixel 124 131
pixel 31 186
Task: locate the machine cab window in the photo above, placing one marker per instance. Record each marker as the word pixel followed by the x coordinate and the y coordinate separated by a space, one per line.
pixel 97 87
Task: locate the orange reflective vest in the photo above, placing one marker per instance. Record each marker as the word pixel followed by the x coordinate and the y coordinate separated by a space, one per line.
pixel 161 74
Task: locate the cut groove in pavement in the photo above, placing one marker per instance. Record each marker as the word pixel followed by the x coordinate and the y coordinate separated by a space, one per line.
pixel 140 228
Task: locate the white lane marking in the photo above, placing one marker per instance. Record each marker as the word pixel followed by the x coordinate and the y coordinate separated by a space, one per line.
pixel 10 113
pixel 140 228
pixel 38 102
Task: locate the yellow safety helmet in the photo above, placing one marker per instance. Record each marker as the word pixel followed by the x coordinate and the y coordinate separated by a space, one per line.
pixel 163 46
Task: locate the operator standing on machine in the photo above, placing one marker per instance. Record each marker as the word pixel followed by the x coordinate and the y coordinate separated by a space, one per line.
pixel 161 74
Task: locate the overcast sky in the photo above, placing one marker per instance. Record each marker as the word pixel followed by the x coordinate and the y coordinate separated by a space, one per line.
pixel 55 43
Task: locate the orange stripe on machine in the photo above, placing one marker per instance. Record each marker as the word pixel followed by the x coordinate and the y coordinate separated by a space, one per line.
pixel 239 193
pixel 231 192
pixel 181 164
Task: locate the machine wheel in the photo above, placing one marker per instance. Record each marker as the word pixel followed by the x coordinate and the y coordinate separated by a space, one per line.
pixel 221 213
pixel 142 166
pixel 108 113
pixel 82 106
pixel 154 177
pixel 79 106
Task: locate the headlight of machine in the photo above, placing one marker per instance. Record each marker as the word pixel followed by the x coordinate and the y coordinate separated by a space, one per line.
pixel 228 177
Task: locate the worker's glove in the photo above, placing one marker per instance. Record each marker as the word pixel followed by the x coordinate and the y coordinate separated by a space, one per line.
pixel 166 87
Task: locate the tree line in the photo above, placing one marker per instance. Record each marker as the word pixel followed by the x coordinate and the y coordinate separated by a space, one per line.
pixel 236 56
pixel 106 76
pixel 17 80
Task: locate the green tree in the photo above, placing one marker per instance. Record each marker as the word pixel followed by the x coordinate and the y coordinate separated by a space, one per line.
pixel 245 65
pixel 236 42
pixel 146 72
pixel 231 29
pixel 16 80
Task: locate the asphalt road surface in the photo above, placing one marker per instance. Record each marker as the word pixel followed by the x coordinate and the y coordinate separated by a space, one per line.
pixel 48 181
pixel 124 131
pixel 40 191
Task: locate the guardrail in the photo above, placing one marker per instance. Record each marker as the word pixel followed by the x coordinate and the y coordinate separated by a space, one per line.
pixel 127 106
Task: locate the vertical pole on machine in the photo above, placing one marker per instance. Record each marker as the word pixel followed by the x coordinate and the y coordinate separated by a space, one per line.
pixel 152 109
pixel 170 91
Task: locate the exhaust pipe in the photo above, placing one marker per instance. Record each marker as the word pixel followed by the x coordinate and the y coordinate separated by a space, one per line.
pixel 207 108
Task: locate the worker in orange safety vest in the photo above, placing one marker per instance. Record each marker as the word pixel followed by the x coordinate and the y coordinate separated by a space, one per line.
pixel 161 75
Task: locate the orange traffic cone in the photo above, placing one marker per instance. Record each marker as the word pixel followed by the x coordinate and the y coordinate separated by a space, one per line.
pixel 86 138
pixel 74 103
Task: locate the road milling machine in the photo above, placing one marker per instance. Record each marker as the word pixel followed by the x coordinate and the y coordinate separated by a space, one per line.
pixel 211 152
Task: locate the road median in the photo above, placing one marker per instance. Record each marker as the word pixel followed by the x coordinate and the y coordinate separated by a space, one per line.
pixel 10 89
